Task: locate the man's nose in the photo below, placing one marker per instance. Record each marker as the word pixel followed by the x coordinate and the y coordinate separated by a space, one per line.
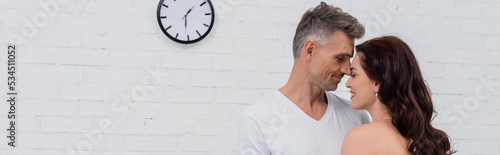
pixel 346 69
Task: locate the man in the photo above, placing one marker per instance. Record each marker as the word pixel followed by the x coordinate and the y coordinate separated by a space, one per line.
pixel 302 117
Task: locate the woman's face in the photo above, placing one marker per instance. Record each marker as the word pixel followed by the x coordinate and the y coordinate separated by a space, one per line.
pixel 363 89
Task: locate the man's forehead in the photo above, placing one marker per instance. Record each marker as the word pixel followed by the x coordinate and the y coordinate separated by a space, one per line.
pixel 349 51
pixel 343 43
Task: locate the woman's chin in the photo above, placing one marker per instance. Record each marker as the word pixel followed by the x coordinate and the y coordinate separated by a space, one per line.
pixel 355 106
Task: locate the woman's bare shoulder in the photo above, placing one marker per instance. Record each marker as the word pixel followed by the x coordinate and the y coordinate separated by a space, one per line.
pixel 373 137
pixel 367 131
pixel 357 138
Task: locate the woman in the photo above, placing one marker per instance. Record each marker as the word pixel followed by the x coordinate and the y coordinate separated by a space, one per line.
pixel 387 82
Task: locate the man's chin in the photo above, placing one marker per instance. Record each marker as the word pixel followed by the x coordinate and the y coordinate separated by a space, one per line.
pixel 331 87
pixel 325 85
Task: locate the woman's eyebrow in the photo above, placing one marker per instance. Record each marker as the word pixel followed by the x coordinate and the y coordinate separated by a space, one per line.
pixel 352 68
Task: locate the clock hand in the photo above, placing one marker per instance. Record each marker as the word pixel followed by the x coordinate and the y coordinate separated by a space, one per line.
pixel 185 23
pixel 185 17
pixel 190 9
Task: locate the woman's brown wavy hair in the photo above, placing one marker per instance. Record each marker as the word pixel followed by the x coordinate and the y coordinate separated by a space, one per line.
pixel 390 62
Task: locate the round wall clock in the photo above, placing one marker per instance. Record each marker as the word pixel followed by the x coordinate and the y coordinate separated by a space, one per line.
pixel 185 21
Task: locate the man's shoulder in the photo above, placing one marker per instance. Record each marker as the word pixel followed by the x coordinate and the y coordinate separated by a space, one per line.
pixel 338 101
pixel 258 107
pixel 263 106
pixel 342 105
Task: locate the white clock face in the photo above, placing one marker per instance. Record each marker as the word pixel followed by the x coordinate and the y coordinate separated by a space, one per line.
pixel 185 21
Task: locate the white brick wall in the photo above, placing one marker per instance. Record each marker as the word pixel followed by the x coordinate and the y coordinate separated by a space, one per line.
pixel 106 61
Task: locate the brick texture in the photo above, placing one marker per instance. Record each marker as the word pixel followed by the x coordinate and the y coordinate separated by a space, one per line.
pixel 99 76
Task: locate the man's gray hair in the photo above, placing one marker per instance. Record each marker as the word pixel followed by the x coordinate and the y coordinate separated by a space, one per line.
pixel 321 22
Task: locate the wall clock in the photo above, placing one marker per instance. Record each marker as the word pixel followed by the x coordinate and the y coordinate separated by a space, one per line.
pixel 185 21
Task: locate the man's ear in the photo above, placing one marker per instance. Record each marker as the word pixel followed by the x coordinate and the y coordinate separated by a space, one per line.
pixel 310 46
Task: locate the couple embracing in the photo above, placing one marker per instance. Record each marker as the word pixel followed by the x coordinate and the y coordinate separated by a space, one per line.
pixel 304 118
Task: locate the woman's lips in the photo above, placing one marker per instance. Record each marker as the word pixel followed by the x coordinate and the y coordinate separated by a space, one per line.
pixel 352 94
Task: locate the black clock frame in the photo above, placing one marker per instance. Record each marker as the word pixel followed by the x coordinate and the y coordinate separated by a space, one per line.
pixel 182 41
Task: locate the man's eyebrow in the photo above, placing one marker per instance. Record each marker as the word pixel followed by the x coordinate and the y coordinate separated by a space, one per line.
pixel 348 55
pixel 344 54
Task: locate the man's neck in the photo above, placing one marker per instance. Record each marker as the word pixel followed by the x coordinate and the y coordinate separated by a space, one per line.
pixel 299 88
pixel 303 94
pixel 309 98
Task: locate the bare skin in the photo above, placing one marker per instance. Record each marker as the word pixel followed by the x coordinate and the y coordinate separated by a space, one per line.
pixel 318 69
pixel 378 137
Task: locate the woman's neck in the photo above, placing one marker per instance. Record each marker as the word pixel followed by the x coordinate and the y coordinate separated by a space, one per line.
pixel 379 112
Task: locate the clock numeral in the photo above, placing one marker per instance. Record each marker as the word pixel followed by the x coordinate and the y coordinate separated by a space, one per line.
pixel 168 27
pixel 165 5
pixel 188 37
pixel 206 25
pixel 176 35
pixel 207 14
pixel 198 33
pixel 163 17
pixel 203 3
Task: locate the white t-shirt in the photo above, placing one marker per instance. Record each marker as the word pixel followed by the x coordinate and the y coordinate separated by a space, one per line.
pixel 274 125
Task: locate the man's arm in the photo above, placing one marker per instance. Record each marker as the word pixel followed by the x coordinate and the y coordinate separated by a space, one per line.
pixel 251 139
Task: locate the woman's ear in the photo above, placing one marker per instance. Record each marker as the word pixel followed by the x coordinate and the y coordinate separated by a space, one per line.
pixel 376 86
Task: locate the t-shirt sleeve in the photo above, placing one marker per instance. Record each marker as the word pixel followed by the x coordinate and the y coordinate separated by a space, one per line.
pixel 365 117
pixel 251 139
